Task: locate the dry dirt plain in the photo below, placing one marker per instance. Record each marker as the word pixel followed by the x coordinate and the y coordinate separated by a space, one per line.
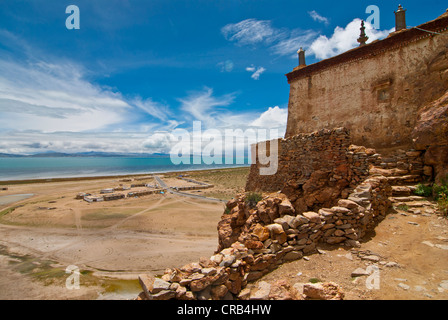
pixel 111 242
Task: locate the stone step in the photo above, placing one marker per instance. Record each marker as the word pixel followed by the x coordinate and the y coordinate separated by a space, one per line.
pixel 404 180
pixel 388 172
pixel 402 191
pixel 408 199
pixel 395 172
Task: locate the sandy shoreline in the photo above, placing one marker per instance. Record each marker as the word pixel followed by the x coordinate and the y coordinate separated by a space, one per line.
pixel 123 176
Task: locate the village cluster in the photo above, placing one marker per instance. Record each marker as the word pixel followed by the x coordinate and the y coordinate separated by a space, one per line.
pixel 139 189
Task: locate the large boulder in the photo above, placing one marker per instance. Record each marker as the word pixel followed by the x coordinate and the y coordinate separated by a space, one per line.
pixel 323 291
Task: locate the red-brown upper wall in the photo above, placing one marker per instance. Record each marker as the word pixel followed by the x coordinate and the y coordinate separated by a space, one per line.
pixel 394 40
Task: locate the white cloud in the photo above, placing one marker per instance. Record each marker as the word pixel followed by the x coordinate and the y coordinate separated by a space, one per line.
pixel 256 75
pixel 317 17
pixel 344 39
pixel 27 142
pixel 159 142
pixel 249 31
pixel 55 97
pixel 272 118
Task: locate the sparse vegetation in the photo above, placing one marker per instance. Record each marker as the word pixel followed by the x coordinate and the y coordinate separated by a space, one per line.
pixel 439 192
pixel 7 211
pixel 443 204
pixel 423 190
pixel 253 198
pixel 403 207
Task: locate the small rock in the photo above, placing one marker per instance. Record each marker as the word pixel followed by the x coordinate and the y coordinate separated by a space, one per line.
pixel 359 273
pixel 164 295
pixel 312 216
pixel 146 282
pixel 444 284
pixel 227 261
pixel 353 243
pixel 160 285
pixel 392 264
pixel 208 271
pixel 323 291
pixel 428 243
pixel 372 258
pixel 263 291
pixel 281 290
pixel 293 255
pixel 244 294
pixel 419 288
pixel 404 286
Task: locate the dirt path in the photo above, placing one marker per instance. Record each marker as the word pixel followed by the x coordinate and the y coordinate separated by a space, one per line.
pixel 409 250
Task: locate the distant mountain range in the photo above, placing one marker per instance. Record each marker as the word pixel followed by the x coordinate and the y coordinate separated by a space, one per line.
pixel 52 154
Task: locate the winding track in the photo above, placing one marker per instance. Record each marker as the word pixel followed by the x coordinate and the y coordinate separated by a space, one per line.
pixel 196 196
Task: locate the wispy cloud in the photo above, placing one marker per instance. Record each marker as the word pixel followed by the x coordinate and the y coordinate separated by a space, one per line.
pixel 55 97
pixel 317 17
pixel 295 39
pixel 152 108
pixel 204 106
pixel 256 72
pixel 249 31
pixel 226 66
pixel 280 41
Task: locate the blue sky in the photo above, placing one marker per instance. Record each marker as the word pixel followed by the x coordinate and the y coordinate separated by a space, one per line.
pixel 136 70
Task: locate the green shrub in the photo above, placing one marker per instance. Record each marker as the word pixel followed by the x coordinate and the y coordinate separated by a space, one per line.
pixel 443 204
pixel 423 190
pixel 440 191
pixel 253 198
pixel 440 194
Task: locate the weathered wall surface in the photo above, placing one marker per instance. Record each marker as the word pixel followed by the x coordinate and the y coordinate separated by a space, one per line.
pixel 431 135
pixel 314 170
pixel 375 91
